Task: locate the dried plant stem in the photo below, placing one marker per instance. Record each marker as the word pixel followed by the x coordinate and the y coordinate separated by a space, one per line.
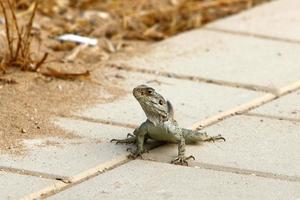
pixel 7 30
pixel 19 41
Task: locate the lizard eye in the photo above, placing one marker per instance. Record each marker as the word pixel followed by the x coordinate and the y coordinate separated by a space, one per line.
pixel 150 92
pixel 161 102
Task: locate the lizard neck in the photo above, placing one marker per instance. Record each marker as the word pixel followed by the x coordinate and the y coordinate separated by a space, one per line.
pixel 155 118
pixel 153 113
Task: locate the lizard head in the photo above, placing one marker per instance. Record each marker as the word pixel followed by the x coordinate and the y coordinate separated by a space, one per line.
pixel 148 95
pixel 153 104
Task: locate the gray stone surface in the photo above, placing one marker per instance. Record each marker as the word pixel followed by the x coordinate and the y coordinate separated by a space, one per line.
pixel 279 19
pixel 221 56
pixel 67 157
pixel 149 180
pixel 192 101
pixel 15 186
pixel 286 106
pixel 252 143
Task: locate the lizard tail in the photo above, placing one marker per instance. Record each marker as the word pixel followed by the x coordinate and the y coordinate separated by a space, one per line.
pixel 191 136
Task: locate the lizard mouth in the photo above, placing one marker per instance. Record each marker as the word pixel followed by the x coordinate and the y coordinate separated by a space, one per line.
pixel 137 94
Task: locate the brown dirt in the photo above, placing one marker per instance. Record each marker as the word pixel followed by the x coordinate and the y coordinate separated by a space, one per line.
pixel 27 106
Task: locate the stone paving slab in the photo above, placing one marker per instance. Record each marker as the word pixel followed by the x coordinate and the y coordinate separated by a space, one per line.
pixel 150 180
pixel 222 56
pixel 279 19
pixel 71 156
pixel 287 106
pixel 192 101
pixel 15 186
pixel 252 143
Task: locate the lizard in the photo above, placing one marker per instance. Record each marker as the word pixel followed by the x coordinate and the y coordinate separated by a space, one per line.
pixel 161 126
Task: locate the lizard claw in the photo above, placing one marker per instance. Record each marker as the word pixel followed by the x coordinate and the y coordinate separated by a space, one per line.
pixel 180 160
pixel 130 135
pixel 219 137
pixel 215 138
pixel 130 140
pixel 146 151
pixel 135 154
pixel 113 140
pixel 117 141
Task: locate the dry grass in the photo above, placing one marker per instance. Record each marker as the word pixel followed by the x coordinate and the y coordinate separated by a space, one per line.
pixel 136 19
pixel 18 41
pixel 159 19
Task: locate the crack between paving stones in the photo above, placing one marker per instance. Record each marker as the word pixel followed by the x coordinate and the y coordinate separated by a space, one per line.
pixel 253 114
pixel 235 170
pixel 101 121
pixel 247 34
pixel 246 86
pixel 34 173
pixel 84 176
pixel 246 172
pixel 77 179
pixel 247 106
pixel 235 111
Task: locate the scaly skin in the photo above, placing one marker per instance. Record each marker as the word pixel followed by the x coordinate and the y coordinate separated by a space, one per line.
pixel 161 126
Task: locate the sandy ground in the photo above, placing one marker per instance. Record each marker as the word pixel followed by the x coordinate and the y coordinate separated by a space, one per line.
pixel 27 105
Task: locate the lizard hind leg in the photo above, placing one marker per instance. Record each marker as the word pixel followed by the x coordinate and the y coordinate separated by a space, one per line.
pixel 192 136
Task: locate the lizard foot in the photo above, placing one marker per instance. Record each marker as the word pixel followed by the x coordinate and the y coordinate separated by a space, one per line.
pixel 131 151
pixel 181 160
pixel 129 140
pixel 136 154
pixel 215 138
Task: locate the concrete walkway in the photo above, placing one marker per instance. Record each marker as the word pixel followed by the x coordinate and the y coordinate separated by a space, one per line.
pixel 239 77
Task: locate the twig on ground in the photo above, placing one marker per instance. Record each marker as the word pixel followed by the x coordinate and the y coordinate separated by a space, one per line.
pixel 65 75
pixel 4 81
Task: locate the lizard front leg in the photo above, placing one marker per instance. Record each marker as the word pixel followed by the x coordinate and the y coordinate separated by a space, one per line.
pixel 181 159
pixel 139 147
pixel 140 137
